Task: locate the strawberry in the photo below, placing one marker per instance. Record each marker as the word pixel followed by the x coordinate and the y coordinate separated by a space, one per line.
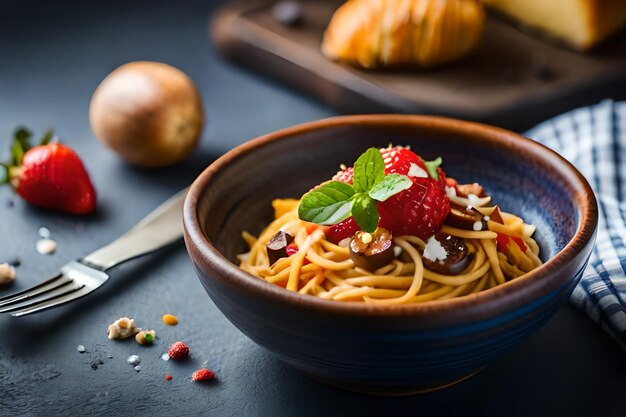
pixel 50 175
pixel 178 351
pixel 345 176
pixel 419 210
pixel 202 374
pixel 398 160
pixel 347 228
pixel 291 249
pixel 342 230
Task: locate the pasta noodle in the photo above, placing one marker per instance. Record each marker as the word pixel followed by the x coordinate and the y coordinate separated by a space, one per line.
pixel 324 269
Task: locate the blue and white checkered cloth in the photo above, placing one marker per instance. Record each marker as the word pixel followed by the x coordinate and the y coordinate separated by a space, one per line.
pixel 594 140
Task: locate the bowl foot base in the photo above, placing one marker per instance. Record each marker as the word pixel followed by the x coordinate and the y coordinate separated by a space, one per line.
pixel 392 391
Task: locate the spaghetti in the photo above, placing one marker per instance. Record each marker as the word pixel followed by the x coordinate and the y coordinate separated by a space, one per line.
pixel 324 269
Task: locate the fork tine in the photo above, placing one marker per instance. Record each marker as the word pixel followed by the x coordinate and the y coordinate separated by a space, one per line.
pixel 54 302
pixel 41 288
pixel 42 298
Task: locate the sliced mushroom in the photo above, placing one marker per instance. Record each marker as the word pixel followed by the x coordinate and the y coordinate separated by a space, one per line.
pixel 463 218
pixel 277 246
pixel 457 257
pixel 371 251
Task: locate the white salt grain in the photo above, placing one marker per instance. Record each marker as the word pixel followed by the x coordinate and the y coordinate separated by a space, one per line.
pixel 165 357
pixel 44 233
pixel 134 360
pixel 137 368
pixel 80 348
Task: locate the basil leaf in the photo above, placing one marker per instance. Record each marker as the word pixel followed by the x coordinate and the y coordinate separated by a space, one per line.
pixel 365 212
pixel 328 204
pixel 368 170
pixel 432 166
pixel 390 185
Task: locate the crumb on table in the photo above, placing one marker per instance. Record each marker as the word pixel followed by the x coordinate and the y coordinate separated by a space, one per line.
pixel 122 328
pixel 7 274
pixel 145 337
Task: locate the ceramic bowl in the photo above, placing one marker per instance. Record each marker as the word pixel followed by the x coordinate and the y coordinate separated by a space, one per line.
pixel 389 349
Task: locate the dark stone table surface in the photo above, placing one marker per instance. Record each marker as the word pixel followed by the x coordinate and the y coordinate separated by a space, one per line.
pixel 52 56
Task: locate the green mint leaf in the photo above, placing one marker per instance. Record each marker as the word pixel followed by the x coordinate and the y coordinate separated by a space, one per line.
pixel 432 166
pixel 365 212
pixel 328 204
pixel 368 170
pixel 388 186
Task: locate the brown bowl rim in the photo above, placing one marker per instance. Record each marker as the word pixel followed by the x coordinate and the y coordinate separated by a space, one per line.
pixel 494 301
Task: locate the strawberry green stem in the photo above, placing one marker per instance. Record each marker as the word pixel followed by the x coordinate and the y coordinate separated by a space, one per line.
pixel 14 176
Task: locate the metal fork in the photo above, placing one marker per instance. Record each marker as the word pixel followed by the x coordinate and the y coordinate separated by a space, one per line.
pixel 161 227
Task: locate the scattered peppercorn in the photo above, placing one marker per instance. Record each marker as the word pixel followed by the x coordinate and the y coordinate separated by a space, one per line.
pixel 178 351
pixel 170 319
pixel 202 374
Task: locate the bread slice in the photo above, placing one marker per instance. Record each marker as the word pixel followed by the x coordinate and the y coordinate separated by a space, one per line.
pixel 580 23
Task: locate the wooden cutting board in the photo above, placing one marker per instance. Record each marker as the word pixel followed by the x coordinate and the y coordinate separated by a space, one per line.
pixel 513 80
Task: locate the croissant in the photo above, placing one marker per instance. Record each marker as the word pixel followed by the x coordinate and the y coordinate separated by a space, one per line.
pixel 389 33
